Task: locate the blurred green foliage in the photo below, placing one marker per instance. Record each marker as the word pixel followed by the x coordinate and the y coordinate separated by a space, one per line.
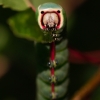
pixel 18 5
pixel 4 37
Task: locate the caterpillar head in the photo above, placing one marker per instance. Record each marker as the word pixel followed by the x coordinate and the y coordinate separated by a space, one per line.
pixel 50 17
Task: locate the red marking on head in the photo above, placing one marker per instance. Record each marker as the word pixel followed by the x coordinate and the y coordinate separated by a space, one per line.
pixel 59 20
pixel 58 26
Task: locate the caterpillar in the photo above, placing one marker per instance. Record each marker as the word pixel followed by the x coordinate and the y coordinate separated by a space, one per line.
pixel 52 79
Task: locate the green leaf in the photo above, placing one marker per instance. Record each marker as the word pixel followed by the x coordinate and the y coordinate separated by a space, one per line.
pixel 1 1
pixel 18 5
pixel 24 25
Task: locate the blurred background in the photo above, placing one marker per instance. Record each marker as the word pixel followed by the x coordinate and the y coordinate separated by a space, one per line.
pixel 17 69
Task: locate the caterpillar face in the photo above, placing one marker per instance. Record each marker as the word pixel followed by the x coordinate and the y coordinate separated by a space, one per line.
pixel 50 18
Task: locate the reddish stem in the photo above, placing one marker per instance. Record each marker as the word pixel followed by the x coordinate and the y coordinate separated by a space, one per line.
pixel 52 58
pixel 52 71
pixel 29 4
pixel 52 51
pixel 52 87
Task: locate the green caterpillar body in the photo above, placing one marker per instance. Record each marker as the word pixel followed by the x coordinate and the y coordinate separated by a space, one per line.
pixel 61 72
pixel 51 20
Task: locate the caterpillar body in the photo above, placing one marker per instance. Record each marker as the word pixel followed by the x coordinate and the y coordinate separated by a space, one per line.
pixel 52 79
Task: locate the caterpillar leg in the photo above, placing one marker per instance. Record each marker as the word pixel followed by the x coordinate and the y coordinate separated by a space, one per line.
pixel 54 95
pixel 53 79
pixel 52 64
